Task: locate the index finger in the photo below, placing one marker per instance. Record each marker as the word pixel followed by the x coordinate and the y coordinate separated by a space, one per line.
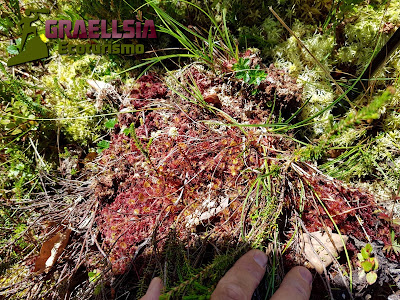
pixel 243 278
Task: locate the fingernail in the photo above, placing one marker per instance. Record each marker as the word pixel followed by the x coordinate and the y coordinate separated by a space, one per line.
pixel 261 259
pixel 306 275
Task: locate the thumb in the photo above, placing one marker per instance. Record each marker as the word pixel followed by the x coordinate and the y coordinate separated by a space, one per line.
pixel 296 285
pixel 154 290
pixel 243 278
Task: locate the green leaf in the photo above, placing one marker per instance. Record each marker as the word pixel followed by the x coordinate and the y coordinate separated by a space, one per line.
pixel 249 76
pixel 371 277
pixel 126 131
pixel 111 123
pixel 367 266
pixel 364 253
pixel 376 263
pixel 368 248
pixel 246 77
pixel 12 49
pixel 16 131
pixel 94 276
pixel 5 121
pixel 102 146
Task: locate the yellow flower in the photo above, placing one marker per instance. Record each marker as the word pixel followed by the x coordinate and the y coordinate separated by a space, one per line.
pixel 43 38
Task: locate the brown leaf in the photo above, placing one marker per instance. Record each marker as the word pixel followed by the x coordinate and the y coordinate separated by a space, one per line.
pixel 214 99
pixel 333 153
pixel 51 251
pixel 90 157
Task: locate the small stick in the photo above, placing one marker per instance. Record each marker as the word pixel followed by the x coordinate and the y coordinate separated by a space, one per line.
pixel 378 61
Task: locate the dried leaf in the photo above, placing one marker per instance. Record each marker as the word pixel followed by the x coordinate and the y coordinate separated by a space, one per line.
pixel 321 258
pixel 51 251
pixel 90 157
pixel 214 99
pixel 333 153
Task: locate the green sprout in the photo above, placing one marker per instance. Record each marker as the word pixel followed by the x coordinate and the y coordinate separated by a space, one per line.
pixel 368 263
pixel 249 76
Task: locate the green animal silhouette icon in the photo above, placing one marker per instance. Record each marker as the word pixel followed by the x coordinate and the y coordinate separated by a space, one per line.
pixel 35 48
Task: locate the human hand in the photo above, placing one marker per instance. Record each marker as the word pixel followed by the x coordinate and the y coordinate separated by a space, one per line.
pixel 243 278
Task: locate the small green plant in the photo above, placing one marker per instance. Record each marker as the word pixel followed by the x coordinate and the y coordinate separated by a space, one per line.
pixel 102 145
pixel 210 50
pixel 74 171
pixel 368 263
pixel 131 131
pixel 13 49
pixel 65 154
pixel 249 76
pixel 394 245
pixel 111 123
pixel 94 277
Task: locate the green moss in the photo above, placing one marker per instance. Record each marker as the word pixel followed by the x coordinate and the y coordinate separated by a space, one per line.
pixel 66 85
pixel 316 88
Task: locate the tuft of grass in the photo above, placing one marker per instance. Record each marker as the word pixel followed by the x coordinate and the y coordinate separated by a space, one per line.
pixel 212 48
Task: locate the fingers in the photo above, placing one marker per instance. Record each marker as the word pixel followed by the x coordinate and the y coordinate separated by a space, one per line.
pixel 296 285
pixel 243 278
pixel 154 290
